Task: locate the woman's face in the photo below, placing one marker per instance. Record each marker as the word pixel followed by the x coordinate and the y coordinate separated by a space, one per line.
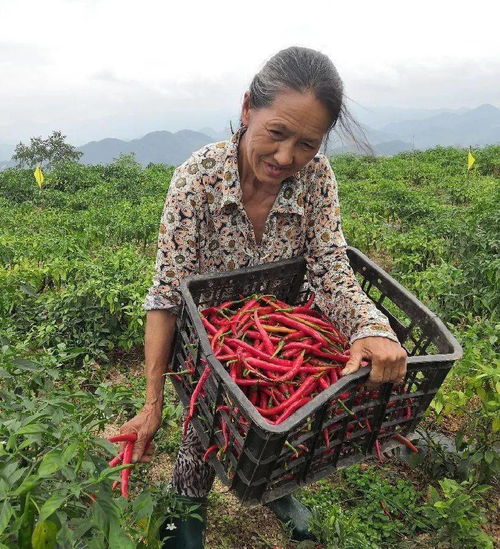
pixel 282 138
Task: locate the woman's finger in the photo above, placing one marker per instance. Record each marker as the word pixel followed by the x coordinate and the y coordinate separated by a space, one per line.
pixel 150 450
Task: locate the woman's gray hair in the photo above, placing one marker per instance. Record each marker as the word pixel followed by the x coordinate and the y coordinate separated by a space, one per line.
pixel 303 70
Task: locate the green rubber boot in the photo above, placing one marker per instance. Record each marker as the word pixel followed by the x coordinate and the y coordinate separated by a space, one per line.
pixel 293 514
pixel 188 533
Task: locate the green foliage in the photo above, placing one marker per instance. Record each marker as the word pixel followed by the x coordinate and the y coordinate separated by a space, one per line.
pixel 55 485
pixel 473 392
pixel 455 515
pixel 365 508
pixel 45 152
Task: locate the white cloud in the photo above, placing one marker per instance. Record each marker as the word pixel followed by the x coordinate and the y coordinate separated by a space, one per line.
pixel 84 64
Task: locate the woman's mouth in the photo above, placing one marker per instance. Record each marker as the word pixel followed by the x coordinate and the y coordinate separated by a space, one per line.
pixel 272 170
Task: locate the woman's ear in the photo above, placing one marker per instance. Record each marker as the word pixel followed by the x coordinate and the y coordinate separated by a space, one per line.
pixel 245 109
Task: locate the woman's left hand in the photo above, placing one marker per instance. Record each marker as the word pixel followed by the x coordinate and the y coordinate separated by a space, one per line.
pixel 387 357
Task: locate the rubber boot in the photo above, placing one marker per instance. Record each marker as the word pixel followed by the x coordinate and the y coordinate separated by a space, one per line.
pixel 293 514
pixel 188 533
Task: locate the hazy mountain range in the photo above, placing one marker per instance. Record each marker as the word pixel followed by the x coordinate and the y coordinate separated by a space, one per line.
pixel 388 130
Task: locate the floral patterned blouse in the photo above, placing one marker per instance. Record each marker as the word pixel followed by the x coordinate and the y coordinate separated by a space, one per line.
pixel 204 228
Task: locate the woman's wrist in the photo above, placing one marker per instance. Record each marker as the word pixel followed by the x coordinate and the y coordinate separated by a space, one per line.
pixel 153 404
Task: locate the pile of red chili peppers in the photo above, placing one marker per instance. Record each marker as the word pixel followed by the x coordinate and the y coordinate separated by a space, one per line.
pixel 281 357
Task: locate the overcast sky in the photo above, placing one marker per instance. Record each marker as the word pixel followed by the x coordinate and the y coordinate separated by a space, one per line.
pixel 120 68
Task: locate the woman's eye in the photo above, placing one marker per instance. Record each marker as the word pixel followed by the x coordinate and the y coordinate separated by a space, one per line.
pixel 307 146
pixel 276 133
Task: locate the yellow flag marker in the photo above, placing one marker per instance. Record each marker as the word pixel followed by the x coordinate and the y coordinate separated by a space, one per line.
pixel 470 160
pixel 39 176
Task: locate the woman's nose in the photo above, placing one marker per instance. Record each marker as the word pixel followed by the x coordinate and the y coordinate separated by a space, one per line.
pixel 284 155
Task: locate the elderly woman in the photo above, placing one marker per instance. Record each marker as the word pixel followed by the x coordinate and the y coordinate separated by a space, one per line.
pixel 265 194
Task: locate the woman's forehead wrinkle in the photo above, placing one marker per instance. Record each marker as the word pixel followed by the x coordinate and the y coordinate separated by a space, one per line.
pixel 297 128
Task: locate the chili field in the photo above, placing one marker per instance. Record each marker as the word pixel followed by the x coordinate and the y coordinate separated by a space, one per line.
pixel 76 260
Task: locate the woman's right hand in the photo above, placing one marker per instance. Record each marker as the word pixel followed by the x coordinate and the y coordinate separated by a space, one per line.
pixel 144 424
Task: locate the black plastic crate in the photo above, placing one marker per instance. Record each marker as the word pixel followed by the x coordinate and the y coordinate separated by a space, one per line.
pixel 260 464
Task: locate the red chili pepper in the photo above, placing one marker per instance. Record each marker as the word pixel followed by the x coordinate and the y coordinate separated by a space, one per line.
pixel 116 460
pixel 312 319
pixel 292 323
pixel 310 301
pixel 212 448
pixel 127 459
pixel 277 304
pixel 304 390
pixel 405 441
pixel 291 353
pixel 128 437
pixel 253 396
pixel 274 394
pixel 212 330
pixel 326 437
pixel 211 310
pixel 256 335
pixel 305 344
pixel 268 346
pixel 252 382
pixel 337 357
pixel 269 366
pixel 194 397
pixel 294 370
pixel 225 434
pixel 236 318
pixel 334 377
pixel 323 383
pixel 257 353
pixel 291 409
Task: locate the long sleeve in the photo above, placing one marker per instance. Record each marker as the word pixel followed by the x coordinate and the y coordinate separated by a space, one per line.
pixel 338 293
pixel 178 249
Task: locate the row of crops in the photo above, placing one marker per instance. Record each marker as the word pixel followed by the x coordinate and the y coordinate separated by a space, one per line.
pixel 76 259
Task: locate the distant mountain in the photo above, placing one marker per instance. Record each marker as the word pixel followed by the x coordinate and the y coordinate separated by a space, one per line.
pixel 159 147
pixel 388 130
pixel 379 117
pixel 479 126
pixel 385 148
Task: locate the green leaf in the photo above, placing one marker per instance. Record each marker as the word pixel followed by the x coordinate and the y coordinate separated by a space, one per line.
pixel 44 535
pixel 27 485
pixel 117 537
pixel 496 425
pixel 143 506
pixel 25 530
pixel 69 453
pixel 32 429
pixel 26 365
pixel 52 504
pixel 106 445
pixel 489 456
pixel 438 406
pixel 51 463
pixel 5 515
